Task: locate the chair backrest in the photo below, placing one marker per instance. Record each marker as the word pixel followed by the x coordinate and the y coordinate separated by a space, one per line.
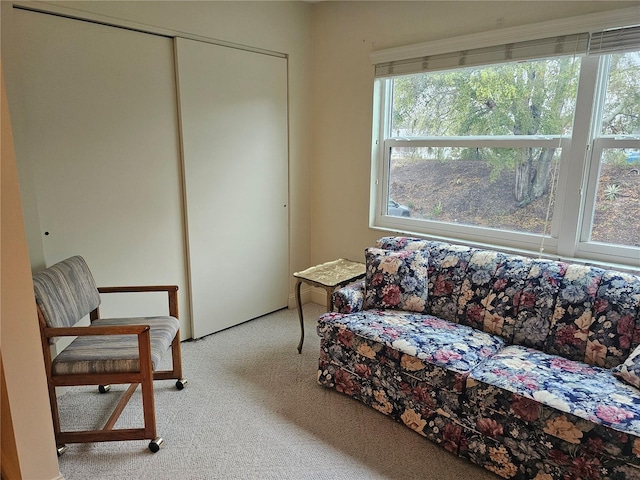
pixel 66 292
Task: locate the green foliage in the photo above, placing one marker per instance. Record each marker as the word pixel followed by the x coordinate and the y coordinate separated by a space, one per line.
pixel 528 98
pixel 612 191
pixel 621 114
pixel 437 210
pixel 533 98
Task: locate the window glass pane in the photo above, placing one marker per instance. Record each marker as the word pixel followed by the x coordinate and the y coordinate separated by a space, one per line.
pixel 621 109
pixel 616 218
pixel 503 188
pixel 528 98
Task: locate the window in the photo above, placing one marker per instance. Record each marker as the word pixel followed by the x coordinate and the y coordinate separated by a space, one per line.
pixel 615 159
pixel 488 145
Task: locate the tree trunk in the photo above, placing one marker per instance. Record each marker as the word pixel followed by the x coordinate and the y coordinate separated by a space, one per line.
pixel 532 177
pixel 542 179
pixel 524 174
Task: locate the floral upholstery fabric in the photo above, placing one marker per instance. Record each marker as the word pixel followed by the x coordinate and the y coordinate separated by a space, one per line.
pixel 447 270
pixel 573 314
pixel 536 302
pixel 615 332
pixel 396 279
pixel 407 400
pixel 405 243
pixel 422 346
pixel 349 299
pixel 540 396
pixel 629 371
pixel 476 292
pixel 503 301
pixel 530 414
pixel 568 387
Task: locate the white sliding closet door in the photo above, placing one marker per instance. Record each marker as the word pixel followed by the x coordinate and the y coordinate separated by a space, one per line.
pixel 233 108
pixel 97 126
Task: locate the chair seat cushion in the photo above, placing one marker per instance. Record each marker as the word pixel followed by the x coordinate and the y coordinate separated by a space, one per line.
pixel 115 353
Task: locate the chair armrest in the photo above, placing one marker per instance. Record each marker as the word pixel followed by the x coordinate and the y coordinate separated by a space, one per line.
pixel 101 330
pixel 142 331
pixel 139 288
pixel 349 299
pixel 172 294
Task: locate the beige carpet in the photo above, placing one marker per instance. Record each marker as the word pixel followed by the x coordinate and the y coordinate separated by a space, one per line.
pixel 253 410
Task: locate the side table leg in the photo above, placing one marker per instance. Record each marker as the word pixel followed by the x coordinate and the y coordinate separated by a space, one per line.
pixel 298 285
pixel 329 299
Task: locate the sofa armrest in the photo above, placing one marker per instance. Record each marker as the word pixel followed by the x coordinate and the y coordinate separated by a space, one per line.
pixel 350 298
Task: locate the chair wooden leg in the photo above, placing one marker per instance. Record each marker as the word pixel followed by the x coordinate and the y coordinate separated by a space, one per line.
pixel 176 368
pixel 146 382
pixel 53 400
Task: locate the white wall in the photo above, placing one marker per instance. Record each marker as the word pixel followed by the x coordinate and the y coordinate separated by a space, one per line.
pixel 344 34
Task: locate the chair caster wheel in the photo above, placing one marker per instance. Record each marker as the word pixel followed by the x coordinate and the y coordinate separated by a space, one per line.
pixel 180 384
pixel 104 388
pixel 154 445
pixel 61 449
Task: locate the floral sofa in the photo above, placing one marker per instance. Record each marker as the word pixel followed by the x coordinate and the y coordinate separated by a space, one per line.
pixel 524 366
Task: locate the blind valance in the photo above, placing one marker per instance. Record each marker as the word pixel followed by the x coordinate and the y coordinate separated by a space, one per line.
pixel 607 41
pixel 615 40
pixel 575 44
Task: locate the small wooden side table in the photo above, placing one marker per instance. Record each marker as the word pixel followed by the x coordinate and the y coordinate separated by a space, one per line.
pixel 329 276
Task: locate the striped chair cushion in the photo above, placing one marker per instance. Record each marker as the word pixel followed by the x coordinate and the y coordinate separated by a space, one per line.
pixel 66 292
pixel 115 353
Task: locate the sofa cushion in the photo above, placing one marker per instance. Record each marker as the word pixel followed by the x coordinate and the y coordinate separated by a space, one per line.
pixel 405 243
pixel 422 346
pixel 615 332
pixel 573 315
pixel 629 371
pixel 565 392
pixel 536 302
pixel 447 270
pixel 476 291
pixel 501 304
pixel 396 279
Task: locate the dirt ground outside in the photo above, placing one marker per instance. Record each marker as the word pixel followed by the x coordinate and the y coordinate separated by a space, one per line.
pixel 461 192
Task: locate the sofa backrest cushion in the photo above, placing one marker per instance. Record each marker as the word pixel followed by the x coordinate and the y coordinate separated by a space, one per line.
pixel 475 300
pixel 579 312
pixel 573 314
pixel 396 279
pixel 615 330
pixel 447 270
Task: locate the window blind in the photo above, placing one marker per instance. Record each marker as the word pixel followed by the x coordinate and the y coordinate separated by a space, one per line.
pixel 625 39
pixel 574 44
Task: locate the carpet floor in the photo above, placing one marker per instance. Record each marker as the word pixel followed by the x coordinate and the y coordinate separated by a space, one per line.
pixel 253 410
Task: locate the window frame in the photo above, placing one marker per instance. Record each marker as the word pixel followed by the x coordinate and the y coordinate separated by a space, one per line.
pixel 576 185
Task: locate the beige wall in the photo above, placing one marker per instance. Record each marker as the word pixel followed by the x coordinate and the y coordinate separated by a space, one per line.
pixel 278 26
pixel 344 34
pixel 329 45
pixel 20 348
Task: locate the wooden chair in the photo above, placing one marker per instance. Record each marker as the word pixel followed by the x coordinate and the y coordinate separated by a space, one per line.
pixel 109 351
